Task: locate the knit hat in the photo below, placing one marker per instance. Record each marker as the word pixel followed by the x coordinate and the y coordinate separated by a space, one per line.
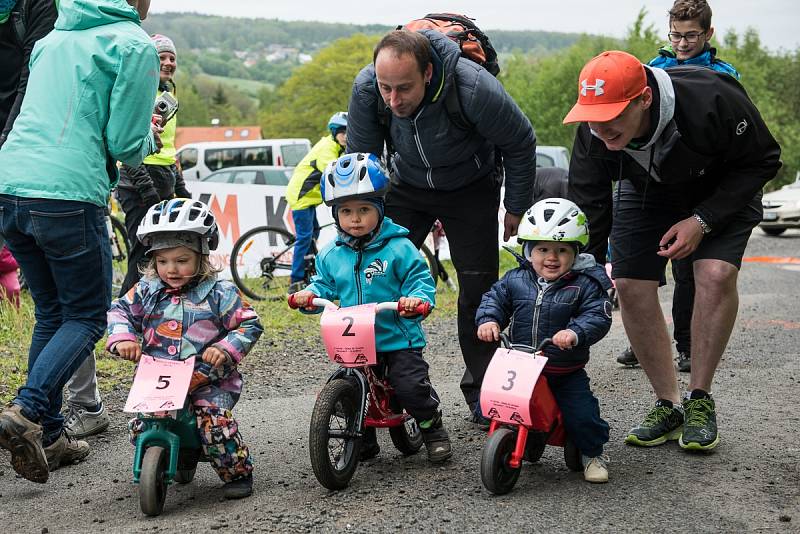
pixel 162 43
pixel 168 240
pixel 359 242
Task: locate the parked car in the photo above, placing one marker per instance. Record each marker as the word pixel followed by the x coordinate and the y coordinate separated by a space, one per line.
pixel 552 156
pixel 252 175
pixel 198 160
pixel 781 209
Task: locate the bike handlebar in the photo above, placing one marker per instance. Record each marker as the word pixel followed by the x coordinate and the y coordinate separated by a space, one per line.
pixel 505 340
pixel 424 308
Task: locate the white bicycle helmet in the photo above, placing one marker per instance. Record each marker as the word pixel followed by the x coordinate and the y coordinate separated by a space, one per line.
pixel 183 220
pixel 554 219
pixel 354 176
pixel 337 120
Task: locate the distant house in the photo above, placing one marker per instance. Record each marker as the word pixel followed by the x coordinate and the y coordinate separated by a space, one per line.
pixel 196 134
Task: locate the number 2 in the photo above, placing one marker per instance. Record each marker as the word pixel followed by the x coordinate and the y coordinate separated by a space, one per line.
pixel 163 381
pixel 511 376
pixel 349 327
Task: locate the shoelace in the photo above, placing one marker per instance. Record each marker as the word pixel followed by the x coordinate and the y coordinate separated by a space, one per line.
pixel 697 411
pixel 656 415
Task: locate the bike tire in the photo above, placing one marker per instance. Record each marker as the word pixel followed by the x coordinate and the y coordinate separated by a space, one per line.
pixel 261 262
pixel 335 412
pixel 153 481
pixel 433 263
pixel 407 438
pixel 497 476
pixel 119 261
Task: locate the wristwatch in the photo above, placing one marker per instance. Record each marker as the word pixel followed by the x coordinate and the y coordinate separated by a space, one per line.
pixel 706 228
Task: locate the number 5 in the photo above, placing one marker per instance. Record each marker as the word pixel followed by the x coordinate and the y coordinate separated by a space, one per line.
pixel 163 381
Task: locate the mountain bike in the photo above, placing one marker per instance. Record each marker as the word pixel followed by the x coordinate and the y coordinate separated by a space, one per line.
pixel 261 262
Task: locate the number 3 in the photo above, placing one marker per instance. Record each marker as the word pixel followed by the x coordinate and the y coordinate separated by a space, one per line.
pixel 349 326
pixel 511 376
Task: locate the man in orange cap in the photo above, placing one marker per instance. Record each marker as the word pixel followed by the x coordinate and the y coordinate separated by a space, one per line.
pixel 691 153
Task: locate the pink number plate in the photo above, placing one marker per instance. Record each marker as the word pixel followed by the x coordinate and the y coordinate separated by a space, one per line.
pixel 508 386
pixel 159 385
pixel 349 335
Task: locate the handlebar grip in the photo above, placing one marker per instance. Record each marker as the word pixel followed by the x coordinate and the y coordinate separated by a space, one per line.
pixel 545 342
pixel 423 308
pixel 292 302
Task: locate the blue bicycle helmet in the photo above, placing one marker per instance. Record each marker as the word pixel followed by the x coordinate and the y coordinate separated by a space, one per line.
pixel 354 176
pixel 337 121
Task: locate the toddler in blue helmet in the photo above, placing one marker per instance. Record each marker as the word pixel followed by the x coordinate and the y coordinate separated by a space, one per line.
pixel 372 260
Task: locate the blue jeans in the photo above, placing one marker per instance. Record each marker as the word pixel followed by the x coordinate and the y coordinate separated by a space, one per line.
pixel 63 249
pixel 581 411
pixel 306 229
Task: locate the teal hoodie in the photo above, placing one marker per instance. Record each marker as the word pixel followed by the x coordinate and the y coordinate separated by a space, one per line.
pixel 388 268
pixel 89 102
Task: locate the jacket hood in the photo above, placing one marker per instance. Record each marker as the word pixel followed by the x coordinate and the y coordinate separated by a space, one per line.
pixel 666 104
pixel 84 14
pixel 444 56
pixel 584 264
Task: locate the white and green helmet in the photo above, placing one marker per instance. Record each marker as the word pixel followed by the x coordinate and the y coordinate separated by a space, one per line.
pixel 554 219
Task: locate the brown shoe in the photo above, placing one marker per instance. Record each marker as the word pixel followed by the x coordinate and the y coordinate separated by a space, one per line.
pixel 23 438
pixel 65 450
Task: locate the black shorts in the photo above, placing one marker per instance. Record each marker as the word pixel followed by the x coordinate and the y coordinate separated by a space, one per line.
pixel 642 217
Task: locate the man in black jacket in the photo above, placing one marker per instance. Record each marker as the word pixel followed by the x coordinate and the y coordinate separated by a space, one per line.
pixel 441 169
pixel 691 153
pixel 22 23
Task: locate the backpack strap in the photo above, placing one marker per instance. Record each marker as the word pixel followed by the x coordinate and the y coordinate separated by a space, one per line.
pixel 18 19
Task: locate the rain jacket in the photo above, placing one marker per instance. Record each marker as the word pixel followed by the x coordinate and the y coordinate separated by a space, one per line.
pixel 303 189
pixel 387 268
pixel 88 104
pixel 667 59
pixel 577 301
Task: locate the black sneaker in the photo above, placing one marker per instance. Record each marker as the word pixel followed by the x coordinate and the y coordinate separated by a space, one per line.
pixel 628 357
pixel 369 445
pixel 684 360
pixel 664 422
pixel 700 428
pixel 239 488
pixel 437 441
pixel 476 418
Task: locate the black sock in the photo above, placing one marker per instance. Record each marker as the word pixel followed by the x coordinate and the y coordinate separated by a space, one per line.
pixel 699 394
pixel 664 403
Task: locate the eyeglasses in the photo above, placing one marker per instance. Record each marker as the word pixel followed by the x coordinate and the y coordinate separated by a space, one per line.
pixel 691 37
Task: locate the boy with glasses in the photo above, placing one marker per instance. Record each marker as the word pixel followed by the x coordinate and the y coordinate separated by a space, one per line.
pixel 689 35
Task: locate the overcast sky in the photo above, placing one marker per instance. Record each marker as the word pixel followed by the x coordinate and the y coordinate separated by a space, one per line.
pixel 777 21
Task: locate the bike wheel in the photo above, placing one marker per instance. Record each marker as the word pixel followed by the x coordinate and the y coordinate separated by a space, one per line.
pixel 333 447
pixel 407 438
pixel 187 465
pixel 534 446
pixel 433 264
pixel 120 250
pixel 261 262
pixel 153 481
pixel 497 476
pixel 572 456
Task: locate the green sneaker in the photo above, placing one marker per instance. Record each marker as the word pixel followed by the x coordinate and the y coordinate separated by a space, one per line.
pixel 700 428
pixel 664 422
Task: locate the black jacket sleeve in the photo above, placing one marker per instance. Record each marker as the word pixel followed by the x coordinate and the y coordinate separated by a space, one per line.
pixel 364 131
pixel 590 188
pixel 40 17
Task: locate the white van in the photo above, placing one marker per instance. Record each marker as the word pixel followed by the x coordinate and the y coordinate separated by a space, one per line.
pixel 198 160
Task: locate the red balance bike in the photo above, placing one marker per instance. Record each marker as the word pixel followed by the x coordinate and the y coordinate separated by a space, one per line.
pixel 356 396
pixel 524 416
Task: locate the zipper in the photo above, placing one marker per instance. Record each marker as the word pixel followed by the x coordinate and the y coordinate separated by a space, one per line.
pixel 477 161
pixel 356 273
pixel 418 141
pixel 537 307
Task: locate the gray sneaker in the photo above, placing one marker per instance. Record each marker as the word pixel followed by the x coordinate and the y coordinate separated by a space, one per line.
pixel 65 450
pixel 81 423
pixel 23 438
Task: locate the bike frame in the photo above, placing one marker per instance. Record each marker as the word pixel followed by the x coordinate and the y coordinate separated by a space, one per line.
pixel 168 432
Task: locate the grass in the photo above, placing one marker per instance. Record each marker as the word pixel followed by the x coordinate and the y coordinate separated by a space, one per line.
pixel 280 324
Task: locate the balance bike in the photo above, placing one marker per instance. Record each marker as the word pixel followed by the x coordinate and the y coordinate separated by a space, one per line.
pixel 167 446
pixel 524 416
pixel 356 396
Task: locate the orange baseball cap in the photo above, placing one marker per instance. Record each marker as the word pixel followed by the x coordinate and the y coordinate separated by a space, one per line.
pixel 605 87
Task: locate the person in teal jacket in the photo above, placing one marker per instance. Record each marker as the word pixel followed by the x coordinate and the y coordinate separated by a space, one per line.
pixel 88 104
pixel 374 261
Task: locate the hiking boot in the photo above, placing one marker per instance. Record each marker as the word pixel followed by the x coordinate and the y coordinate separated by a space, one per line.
pixel 239 488
pixel 476 418
pixel 437 441
pixel 595 470
pixel 628 357
pixel 369 445
pixel 684 360
pixel 65 450
pixel 700 428
pixel 81 423
pixel 664 422
pixel 23 438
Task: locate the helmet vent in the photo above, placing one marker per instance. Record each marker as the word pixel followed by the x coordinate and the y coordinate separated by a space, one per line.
pixel 548 214
pixel 362 173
